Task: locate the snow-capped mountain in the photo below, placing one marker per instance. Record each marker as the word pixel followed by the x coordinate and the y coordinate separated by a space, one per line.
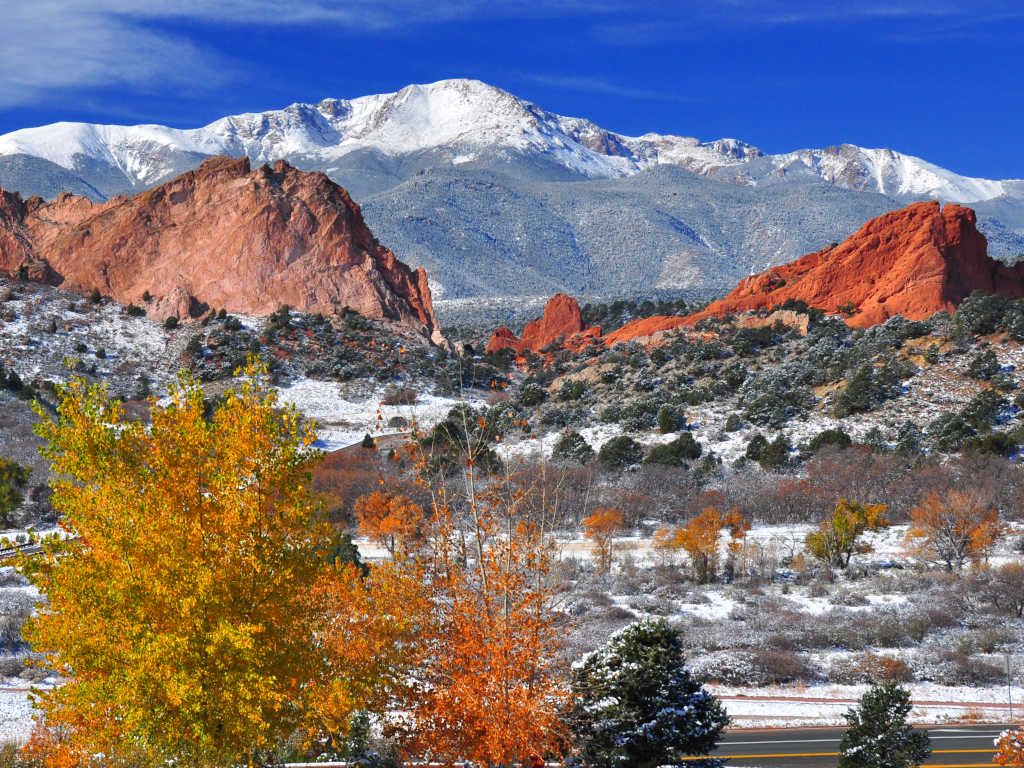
pixel 496 196
pixel 463 121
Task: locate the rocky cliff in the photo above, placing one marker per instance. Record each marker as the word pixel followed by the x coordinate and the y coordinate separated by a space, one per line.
pixel 911 262
pixel 561 320
pixel 222 236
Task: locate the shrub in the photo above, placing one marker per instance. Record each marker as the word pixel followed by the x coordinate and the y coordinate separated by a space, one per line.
pixel 399 396
pixel 682 448
pixel 857 396
pixel 532 395
pixel 13 479
pixel 669 419
pixel 621 451
pixel 733 422
pixel 573 446
pixel 984 365
pixel 756 447
pixel 95 297
pixel 776 453
pixel 171 323
pixel 836 437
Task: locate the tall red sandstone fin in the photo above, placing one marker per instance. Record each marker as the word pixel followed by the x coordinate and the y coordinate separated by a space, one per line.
pixel 227 236
pixel 561 319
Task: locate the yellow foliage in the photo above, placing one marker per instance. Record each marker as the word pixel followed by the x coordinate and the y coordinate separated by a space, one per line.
pixel 181 609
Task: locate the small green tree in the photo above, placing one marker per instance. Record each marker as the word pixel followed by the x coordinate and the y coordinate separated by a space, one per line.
pixel 13 479
pixel 877 734
pixel 636 704
pixel 621 451
pixel 669 419
pixel 857 397
pixel 675 452
pixel 775 454
pixel 572 445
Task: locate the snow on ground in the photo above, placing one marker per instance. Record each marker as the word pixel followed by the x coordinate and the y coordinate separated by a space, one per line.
pixel 342 422
pixel 790 706
pixel 15 714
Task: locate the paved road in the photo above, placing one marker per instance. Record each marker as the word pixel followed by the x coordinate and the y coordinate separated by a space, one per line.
pixel 955 745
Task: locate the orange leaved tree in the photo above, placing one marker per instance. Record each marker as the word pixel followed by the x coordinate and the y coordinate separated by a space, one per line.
pixel 488 687
pixel 395 521
pixel 700 538
pixel 180 609
pixel 953 529
pixel 600 528
pixel 1010 749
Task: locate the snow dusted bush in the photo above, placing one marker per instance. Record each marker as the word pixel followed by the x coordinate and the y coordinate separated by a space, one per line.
pixel 761 667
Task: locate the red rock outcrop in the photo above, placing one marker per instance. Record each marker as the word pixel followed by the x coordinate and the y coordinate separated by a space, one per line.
pixel 912 262
pixel 561 320
pixel 222 236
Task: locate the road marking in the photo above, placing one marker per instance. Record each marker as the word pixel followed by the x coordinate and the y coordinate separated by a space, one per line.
pixel 836 754
pixel 975 735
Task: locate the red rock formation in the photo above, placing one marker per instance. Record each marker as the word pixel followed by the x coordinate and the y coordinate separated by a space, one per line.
pixel 911 262
pixel 561 320
pixel 223 236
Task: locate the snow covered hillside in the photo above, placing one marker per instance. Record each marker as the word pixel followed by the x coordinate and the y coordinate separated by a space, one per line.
pixel 464 119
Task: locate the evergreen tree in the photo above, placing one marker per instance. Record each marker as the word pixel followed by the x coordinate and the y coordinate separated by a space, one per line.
pixel 878 735
pixel 636 704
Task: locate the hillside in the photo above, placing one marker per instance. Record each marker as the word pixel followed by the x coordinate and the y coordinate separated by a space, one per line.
pixel 460 173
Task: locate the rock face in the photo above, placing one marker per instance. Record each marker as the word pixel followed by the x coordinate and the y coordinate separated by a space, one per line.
pixel 912 262
pixel 561 320
pixel 221 236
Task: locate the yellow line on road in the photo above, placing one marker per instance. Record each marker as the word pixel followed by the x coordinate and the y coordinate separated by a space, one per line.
pixel 836 754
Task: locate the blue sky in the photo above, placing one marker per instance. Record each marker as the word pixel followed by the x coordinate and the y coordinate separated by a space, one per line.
pixel 940 79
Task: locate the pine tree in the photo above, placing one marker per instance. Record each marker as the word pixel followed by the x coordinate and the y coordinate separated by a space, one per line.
pixel 878 735
pixel 636 704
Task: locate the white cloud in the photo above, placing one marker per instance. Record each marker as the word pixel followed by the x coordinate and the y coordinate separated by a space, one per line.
pixel 51 48
pixel 588 84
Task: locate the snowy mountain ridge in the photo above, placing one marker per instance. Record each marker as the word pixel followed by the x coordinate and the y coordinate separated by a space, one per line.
pixel 463 119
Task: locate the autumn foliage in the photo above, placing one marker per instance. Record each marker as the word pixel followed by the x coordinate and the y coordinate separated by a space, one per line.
pixel 192 609
pixel 1010 748
pixel 953 529
pixel 838 537
pixel 600 529
pixel 700 538
pixel 395 521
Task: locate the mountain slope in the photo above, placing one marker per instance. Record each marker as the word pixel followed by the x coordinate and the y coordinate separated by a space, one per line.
pixel 497 196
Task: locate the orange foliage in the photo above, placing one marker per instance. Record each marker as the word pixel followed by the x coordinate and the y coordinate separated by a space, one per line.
pixel 699 538
pixel 600 528
pixel 487 688
pixel 397 522
pixel 953 529
pixel 1010 749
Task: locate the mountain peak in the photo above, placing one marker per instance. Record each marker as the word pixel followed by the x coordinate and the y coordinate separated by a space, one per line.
pixel 464 119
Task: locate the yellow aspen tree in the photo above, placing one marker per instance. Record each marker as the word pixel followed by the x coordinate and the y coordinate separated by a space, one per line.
pixel 179 607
